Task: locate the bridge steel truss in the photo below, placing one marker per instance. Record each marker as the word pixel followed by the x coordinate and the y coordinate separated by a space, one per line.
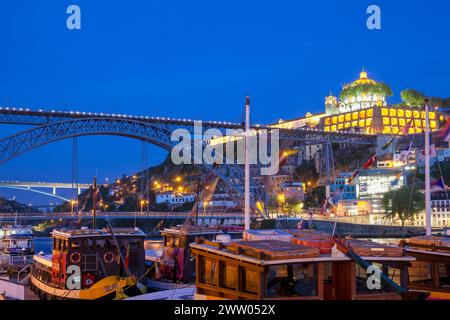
pixel 51 126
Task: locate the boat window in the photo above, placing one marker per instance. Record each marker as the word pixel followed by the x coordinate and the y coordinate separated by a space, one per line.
pixel 229 276
pixel 420 273
pixel 250 280
pixel 293 280
pixel 444 275
pixel 75 244
pixel 209 272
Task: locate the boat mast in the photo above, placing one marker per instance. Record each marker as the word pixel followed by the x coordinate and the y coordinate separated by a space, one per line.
pixel 94 204
pixel 247 165
pixel 427 171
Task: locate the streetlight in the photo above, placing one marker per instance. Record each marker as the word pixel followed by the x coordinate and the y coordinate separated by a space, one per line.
pixel 72 202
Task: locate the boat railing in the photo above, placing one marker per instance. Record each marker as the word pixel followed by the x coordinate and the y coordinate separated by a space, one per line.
pixel 15 261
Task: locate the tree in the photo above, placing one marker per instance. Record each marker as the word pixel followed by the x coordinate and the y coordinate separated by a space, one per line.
pixel 403 203
pixel 412 98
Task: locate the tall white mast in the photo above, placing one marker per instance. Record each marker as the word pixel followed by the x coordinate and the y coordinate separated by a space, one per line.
pixel 427 172
pixel 247 164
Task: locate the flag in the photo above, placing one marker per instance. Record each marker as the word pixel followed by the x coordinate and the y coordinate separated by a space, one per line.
pixel 388 143
pixel 405 129
pixel 127 257
pixel 370 162
pixel 404 154
pixel 432 151
pixel 445 133
pixel 437 185
pixel 353 176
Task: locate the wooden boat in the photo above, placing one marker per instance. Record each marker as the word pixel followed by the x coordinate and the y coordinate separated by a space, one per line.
pixel 16 247
pixel 431 270
pixel 174 263
pixel 274 269
pixel 90 264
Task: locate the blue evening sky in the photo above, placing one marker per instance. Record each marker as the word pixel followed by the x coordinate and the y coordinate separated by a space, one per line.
pixel 198 59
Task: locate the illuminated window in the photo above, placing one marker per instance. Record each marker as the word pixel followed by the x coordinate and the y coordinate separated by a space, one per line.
pixel 347 125
pixel 417 123
pixel 354 123
pixel 333 128
pixel 334 120
pixel 402 122
pixel 441 118
pixel 387 129
pixel 411 130
pixel 362 114
pixel 341 118
pixel 394 121
pixel 327 128
pixel 340 126
pixel 422 114
pixel 395 130
pixel 362 123
pixel 370 113
pixel 432 115
pixel 385 120
pixel 424 123
pixel 408 113
pixel 416 114
pixel 348 117
pixel 355 115
pixel 401 112
pixel 433 124
pixel 393 112
pixel 327 121
pixel 368 122
pixel 418 130
pixel 384 112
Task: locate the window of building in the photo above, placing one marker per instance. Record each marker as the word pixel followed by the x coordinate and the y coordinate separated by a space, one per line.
pixel 370 113
pixel 393 112
pixel 348 117
pixel 400 112
pixel 355 115
pixel 384 112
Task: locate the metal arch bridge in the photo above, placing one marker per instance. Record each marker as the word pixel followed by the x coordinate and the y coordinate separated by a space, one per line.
pixel 51 126
pixel 32 187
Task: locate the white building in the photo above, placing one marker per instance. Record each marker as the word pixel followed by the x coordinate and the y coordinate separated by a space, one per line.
pixel 174 198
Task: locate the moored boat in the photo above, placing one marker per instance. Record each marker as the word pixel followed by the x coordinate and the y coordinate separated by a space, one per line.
pixel 90 264
pixel 16 247
pixel 273 268
pixel 431 270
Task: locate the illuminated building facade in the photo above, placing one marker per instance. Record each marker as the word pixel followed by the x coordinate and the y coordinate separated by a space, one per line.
pixel 373 183
pixel 363 108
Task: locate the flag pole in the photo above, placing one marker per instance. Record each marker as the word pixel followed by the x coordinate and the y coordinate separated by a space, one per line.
pixel 427 171
pixel 247 165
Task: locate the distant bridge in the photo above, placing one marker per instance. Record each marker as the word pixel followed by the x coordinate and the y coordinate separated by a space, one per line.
pixel 32 187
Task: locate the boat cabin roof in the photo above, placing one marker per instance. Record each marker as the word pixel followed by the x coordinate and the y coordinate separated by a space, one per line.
pixel 89 233
pixel 188 230
pixel 275 252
